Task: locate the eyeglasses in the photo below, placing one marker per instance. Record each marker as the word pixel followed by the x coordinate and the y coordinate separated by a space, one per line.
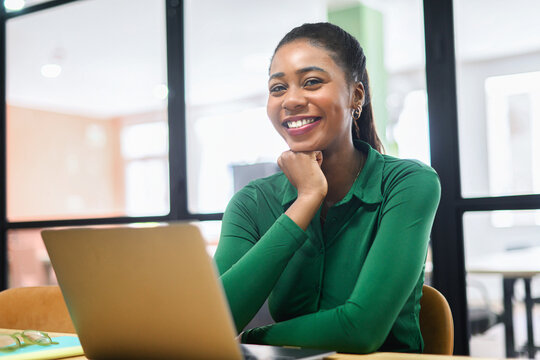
pixel 11 342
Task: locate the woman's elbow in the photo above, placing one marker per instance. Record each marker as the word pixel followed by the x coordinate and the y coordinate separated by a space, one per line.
pixel 361 339
pixel 359 333
pixel 365 342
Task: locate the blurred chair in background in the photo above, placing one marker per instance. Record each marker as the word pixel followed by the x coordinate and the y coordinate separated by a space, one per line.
pixel 37 308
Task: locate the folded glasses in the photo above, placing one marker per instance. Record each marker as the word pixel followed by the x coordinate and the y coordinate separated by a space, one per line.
pixel 11 342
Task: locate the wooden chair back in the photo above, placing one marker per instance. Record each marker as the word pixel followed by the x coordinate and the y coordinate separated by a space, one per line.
pixel 436 322
pixel 37 308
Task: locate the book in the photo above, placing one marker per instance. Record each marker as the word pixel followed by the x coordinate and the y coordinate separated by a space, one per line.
pixel 67 346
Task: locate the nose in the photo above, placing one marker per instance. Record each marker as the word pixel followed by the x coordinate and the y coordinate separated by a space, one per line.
pixel 294 99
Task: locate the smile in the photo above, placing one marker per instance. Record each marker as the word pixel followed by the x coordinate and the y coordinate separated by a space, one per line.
pixel 298 126
pixel 299 123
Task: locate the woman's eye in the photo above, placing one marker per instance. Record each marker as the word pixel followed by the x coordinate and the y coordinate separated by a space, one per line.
pixel 277 88
pixel 312 82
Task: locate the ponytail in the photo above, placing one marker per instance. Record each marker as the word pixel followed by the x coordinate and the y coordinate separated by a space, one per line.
pixel 364 127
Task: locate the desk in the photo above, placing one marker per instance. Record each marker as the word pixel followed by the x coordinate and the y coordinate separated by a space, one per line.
pixel 374 356
pixel 513 265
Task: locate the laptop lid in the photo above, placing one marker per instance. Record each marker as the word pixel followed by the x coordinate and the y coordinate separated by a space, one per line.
pixel 142 292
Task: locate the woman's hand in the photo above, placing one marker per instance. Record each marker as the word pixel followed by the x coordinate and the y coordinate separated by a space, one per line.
pixel 303 169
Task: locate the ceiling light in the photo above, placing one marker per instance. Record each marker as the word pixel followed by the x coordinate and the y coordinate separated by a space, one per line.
pixel 51 70
pixel 13 5
pixel 161 91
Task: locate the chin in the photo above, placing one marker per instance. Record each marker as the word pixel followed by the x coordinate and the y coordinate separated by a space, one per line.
pixel 303 147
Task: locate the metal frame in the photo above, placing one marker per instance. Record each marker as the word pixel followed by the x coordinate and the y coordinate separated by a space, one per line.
pixel 447 234
pixel 177 118
pixel 177 134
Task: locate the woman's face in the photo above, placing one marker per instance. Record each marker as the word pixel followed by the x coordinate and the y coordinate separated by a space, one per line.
pixel 309 100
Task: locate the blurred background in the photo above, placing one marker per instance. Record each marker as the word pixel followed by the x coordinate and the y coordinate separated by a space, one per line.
pixel 88 127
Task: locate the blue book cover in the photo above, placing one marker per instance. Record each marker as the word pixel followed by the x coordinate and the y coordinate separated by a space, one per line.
pixel 67 346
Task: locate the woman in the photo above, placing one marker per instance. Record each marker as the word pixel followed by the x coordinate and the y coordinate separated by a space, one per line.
pixel 337 241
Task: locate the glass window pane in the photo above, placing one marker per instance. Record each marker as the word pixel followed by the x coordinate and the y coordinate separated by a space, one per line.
pixel 500 245
pixel 84 100
pixel 498 67
pixel 144 139
pixel 28 261
pixel 392 36
pixel 228 51
pixel 147 194
pixel 230 139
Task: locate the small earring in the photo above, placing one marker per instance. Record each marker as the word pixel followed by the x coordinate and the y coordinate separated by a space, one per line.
pixel 356 113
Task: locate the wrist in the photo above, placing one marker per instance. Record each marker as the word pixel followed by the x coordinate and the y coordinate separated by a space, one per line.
pixel 315 198
pixel 303 209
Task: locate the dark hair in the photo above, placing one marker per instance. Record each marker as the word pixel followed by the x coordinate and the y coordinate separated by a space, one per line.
pixel 347 53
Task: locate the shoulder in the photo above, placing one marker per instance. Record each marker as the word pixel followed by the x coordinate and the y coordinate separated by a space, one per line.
pixel 272 183
pixel 258 204
pixel 397 168
pixel 267 189
pixel 408 174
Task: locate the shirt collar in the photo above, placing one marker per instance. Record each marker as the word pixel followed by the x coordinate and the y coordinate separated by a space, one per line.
pixel 366 187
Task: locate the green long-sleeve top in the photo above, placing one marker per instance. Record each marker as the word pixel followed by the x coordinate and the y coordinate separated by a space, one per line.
pixel 351 285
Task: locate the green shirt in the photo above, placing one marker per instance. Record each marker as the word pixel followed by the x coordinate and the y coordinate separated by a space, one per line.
pixel 353 285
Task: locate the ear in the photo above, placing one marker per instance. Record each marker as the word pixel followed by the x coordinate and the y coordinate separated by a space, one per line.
pixel 358 95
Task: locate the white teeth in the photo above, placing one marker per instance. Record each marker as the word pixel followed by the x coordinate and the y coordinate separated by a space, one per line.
pixel 299 123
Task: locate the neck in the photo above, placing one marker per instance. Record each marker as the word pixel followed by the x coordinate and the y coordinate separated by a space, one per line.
pixel 341 169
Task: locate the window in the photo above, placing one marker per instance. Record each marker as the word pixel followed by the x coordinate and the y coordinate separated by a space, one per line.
pixel 74 90
pixel 87 123
pixel 228 53
pixel 144 151
pixel 497 68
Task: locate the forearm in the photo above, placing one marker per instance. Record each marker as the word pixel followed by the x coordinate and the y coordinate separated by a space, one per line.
pixel 303 209
pixel 249 281
pixel 346 328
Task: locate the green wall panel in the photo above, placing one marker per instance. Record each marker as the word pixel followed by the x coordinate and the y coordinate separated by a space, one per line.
pixel 366 25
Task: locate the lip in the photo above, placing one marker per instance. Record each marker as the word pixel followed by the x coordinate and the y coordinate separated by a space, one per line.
pixel 302 129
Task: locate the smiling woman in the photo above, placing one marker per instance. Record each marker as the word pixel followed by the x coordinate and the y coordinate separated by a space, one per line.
pixel 337 241
pixel 307 91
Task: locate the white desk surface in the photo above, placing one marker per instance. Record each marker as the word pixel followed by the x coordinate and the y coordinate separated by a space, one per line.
pixel 374 356
pixel 512 263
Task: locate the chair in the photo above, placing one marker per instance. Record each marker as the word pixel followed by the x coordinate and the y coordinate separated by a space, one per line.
pixel 481 316
pixel 436 322
pixel 38 308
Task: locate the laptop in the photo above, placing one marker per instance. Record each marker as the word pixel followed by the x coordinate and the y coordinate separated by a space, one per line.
pixel 149 293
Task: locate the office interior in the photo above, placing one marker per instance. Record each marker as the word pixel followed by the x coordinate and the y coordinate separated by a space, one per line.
pixel 139 111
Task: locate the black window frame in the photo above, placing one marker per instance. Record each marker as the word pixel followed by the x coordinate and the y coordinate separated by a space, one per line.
pixel 176 123
pixel 447 234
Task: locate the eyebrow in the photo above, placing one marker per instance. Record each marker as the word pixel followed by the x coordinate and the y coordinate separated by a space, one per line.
pixel 299 71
